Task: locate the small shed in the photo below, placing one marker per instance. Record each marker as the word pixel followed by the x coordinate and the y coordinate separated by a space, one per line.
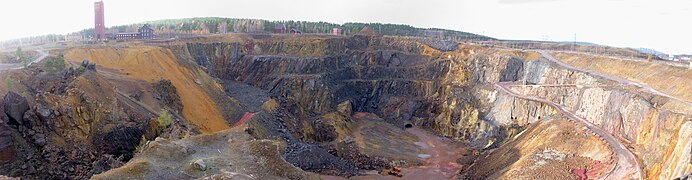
pixel 295 31
pixel 280 28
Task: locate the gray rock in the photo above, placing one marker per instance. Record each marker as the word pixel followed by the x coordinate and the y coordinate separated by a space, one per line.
pixel 199 165
pixel 44 112
pixel 15 107
pixel 511 71
pixel 534 72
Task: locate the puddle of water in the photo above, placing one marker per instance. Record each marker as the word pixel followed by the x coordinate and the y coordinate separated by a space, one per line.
pixel 422 145
pixel 424 156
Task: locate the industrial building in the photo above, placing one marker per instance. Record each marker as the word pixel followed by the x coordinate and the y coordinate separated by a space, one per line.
pixel 99 22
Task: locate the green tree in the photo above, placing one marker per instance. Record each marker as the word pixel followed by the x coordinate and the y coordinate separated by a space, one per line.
pixel 18 54
pixel 164 119
pixel 55 64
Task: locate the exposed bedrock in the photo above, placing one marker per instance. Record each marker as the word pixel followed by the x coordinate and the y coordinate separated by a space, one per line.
pixel 451 93
pixel 401 80
pixel 71 125
pixel 656 130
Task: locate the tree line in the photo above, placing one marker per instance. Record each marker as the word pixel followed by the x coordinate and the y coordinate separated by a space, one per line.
pixel 204 25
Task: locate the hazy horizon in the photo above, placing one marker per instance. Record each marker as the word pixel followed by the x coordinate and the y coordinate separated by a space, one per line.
pixel 622 23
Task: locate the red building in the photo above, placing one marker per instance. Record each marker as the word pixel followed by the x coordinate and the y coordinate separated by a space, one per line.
pixel 99 26
pixel 128 35
pixel 280 28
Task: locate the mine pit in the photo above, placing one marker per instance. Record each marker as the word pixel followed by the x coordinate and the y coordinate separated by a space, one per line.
pixel 337 107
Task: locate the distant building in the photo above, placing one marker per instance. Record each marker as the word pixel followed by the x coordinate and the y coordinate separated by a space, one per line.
pixel 336 31
pixel 145 32
pixel 223 28
pixel 74 37
pixel 280 28
pixel 99 24
pixel 127 36
pixel 295 31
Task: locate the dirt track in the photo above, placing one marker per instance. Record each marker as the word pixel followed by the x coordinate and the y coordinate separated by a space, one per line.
pixel 43 55
pixel 626 166
pixel 645 88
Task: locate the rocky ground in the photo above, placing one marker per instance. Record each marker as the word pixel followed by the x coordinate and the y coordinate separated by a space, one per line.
pixel 70 124
pixel 324 107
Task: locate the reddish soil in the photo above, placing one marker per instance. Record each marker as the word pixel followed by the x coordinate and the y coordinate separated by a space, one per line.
pixel 245 118
pixel 441 163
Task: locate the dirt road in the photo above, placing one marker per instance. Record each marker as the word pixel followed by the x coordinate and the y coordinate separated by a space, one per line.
pixel 626 166
pixel 42 55
pixel 612 78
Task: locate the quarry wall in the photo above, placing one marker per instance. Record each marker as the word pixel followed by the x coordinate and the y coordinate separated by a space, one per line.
pixel 451 92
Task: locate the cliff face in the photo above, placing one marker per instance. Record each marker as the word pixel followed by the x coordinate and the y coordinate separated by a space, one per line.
pixel 449 92
pixel 651 125
pixel 401 80
pixel 71 124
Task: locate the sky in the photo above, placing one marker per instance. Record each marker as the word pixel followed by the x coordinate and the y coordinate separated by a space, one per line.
pixel 663 25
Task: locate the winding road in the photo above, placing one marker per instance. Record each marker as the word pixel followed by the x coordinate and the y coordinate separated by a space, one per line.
pixel 626 166
pixel 42 55
pixel 612 78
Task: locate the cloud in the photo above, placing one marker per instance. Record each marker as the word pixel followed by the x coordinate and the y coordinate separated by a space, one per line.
pixel 524 1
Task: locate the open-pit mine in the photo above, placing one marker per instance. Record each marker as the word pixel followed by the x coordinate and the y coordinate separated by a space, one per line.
pixel 365 106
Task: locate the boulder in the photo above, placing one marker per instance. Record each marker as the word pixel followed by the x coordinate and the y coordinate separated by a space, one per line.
pixel 44 112
pixel 199 165
pixel 91 66
pixel 15 107
pixel 345 108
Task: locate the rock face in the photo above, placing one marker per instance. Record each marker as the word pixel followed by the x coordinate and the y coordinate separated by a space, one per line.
pixel 167 95
pixel 448 92
pixel 400 80
pixel 119 141
pixel 71 127
pixel 6 143
pixel 15 106
pixel 512 71
pixel 304 91
pixel 649 123
pixel 231 153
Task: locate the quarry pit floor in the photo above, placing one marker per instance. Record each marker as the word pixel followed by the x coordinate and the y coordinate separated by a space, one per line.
pixel 428 156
